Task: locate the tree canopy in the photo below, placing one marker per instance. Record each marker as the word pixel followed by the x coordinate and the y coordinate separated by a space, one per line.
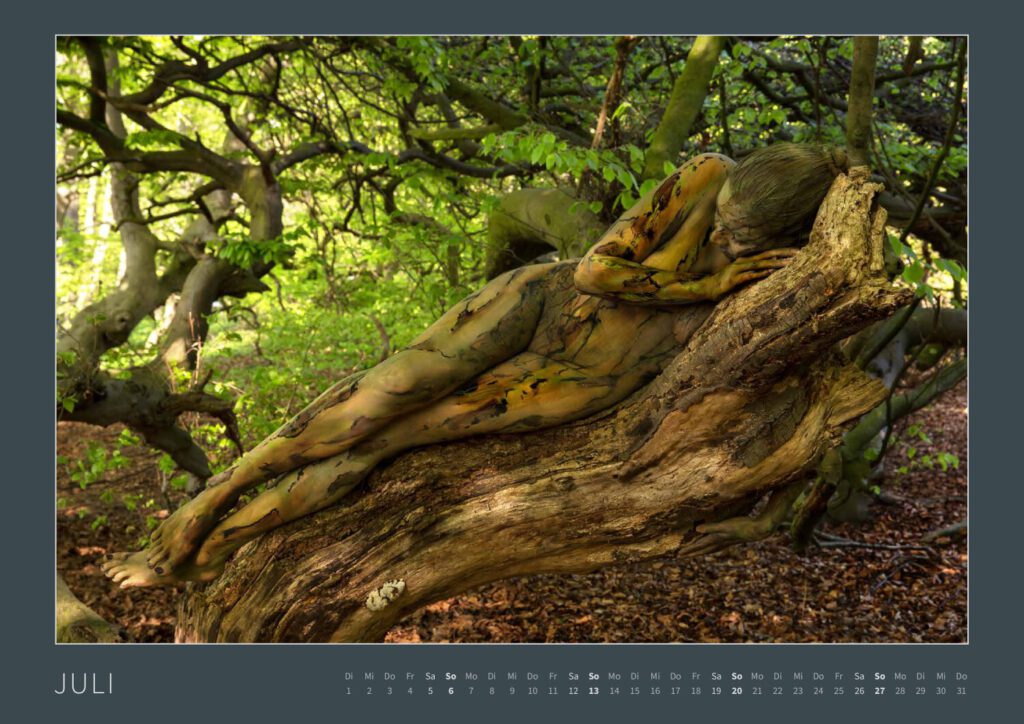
pixel 243 220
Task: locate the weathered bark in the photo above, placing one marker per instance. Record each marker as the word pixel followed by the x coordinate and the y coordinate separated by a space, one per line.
pixel 688 93
pixel 749 406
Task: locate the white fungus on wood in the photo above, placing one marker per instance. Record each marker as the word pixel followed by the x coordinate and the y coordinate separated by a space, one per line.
pixel 380 598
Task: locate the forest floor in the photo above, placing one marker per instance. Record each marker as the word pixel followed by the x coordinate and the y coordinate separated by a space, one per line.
pixel 876 584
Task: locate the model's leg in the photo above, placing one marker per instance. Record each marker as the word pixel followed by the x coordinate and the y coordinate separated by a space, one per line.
pixel 297 493
pixel 479 332
pixel 528 392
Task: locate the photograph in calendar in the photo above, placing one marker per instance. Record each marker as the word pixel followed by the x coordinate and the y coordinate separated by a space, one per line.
pixel 511 339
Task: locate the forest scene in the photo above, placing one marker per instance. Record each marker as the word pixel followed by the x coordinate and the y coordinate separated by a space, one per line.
pixel 511 339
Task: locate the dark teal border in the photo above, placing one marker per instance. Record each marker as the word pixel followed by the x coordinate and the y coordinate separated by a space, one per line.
pixel 264 683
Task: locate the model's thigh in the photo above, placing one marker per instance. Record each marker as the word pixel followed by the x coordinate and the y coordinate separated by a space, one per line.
pixel 479 332
pixel 529 391
pixel 493 324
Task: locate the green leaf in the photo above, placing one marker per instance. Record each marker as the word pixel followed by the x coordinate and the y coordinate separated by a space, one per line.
pixel 166 463
pixel 127 438
pixel 179 482
pixel 956 270
pixel 913 273
pixel 648 186
pixel 623 107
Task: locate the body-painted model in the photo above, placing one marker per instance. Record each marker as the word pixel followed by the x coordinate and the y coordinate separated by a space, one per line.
pixel 538 346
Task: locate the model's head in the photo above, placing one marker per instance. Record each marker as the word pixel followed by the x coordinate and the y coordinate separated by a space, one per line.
pixel 772 196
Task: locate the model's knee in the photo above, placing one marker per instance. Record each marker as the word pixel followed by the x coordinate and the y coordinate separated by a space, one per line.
pixel 415 376
pixel 400 380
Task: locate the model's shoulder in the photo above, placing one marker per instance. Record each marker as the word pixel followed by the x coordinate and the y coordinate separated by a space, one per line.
pixel 715 159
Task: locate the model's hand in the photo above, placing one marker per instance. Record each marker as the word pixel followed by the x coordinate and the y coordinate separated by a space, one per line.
pixel 750 268
pixel 732 531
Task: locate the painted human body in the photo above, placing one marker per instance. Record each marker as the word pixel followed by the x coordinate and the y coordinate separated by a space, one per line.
pixel 536 347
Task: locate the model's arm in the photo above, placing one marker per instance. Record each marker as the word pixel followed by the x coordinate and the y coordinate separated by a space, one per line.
pixel 667 227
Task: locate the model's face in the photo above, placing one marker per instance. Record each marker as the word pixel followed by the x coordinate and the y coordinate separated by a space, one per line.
pixel 731 234
pixel 726 234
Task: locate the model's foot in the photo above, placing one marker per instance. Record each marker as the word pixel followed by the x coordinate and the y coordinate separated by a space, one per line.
pixel 178 537
pixel 131 571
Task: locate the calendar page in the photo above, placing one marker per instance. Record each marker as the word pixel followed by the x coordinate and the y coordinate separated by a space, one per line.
pixel 452 362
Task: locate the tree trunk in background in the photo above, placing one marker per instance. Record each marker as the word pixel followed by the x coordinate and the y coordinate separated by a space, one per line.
pixel 532 222
pixel 684 105
pixel 749 406
pixel 148 401
pixel 862 95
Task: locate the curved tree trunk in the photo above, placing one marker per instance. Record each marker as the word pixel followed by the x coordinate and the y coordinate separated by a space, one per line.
pixel 530 222
pixel 147 401
pixel 861 98
pixel 684 106
pixel 749 406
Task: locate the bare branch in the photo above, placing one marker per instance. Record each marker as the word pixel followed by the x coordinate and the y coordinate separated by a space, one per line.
pixel 173 71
